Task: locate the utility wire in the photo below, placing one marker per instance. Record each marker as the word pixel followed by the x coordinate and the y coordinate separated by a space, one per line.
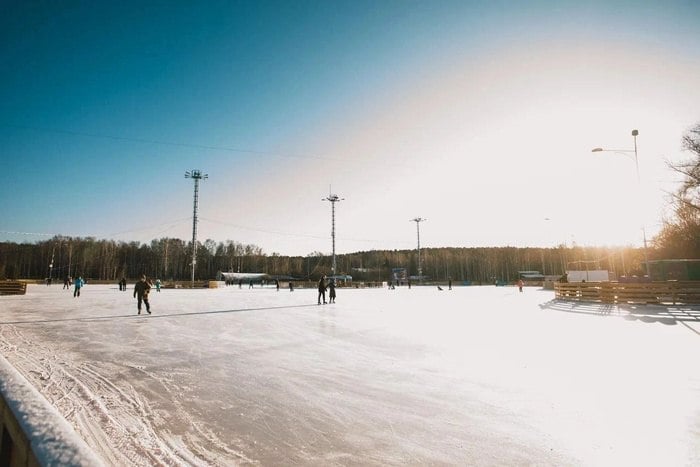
pixel 290 234
pixel 172 143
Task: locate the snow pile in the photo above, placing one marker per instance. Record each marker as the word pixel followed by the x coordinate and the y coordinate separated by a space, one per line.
pixel 52 440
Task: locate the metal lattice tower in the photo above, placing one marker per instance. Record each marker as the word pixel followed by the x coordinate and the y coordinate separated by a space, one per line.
pixel 195 175
pixel 333 199
pixel 418 220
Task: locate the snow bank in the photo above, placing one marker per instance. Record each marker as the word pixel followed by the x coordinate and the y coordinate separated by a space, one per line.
pixel 51 439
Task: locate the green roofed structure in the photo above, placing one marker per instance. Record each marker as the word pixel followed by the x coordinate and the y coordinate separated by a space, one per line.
pixel 675 269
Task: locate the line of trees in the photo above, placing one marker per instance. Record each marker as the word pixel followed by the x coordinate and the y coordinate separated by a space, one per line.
pixel 170 259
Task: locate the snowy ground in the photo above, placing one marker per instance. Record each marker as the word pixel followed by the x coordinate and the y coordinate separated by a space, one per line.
pixel 472 376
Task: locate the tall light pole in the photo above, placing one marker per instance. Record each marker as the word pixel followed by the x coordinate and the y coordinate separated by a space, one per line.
pixel 51 263
pixel 195 175
pixel 418 220
pixel 333 199
pixel 639 184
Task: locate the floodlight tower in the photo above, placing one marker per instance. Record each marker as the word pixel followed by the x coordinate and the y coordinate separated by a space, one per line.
pixel 333 199
pixel 195 175
pixel 418 220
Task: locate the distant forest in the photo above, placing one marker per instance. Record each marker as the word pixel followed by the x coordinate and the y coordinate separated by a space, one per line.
pixel 171 259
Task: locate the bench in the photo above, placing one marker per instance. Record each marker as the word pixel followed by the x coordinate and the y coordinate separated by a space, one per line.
pixel 13 288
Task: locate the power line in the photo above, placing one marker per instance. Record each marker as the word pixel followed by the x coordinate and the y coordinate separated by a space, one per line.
pixel 10 232
pixel 294 234
pixel 169 224
pixel 172 143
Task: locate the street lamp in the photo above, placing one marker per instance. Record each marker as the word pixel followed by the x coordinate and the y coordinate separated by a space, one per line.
pixel 629 152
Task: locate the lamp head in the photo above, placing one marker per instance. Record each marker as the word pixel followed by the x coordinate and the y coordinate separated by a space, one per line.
pixel 635 132
pixel 597 150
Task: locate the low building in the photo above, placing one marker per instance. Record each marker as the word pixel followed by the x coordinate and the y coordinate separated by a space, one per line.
pixel 675 269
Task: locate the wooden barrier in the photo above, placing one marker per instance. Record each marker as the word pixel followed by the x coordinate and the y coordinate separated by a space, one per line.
pixel 671 292
pixel 32 432
pixel 13 288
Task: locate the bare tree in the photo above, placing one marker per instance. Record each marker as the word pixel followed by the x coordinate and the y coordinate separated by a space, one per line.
pixel 689 192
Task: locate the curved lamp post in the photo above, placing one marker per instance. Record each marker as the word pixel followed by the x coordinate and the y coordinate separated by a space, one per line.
pixel 629 152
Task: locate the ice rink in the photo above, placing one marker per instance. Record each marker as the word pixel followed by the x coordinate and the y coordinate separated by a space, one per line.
pixel 472 376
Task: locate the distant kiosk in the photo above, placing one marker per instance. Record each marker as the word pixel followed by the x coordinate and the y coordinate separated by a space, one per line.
pixel 595 275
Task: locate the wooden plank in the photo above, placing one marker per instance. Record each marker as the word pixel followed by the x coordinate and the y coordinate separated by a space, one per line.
pixel 13 288
pixel 685 292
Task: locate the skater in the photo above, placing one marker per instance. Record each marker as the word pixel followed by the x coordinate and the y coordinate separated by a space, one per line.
pixel 250 284
pixel 520 285
pixel 78 285
pixel 66 283
pixel 277 284
pixel 449 284
pixel 157 285
pixel 291 286
pixel 141 290
pixel 123 284
pixel 331 291
pixel 322 290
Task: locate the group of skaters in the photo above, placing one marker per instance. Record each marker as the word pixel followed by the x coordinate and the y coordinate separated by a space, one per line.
pixel 141 289
pixel 77 285
pixel 322 286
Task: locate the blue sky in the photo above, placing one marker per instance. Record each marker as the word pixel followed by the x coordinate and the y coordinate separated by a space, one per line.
pixel 479 116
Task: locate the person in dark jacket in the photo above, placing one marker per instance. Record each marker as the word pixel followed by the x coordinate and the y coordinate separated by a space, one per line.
pixel 322 290
pixel 331 291
pixel 141 290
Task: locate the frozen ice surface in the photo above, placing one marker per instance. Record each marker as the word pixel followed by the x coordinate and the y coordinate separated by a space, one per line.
pixel 473 376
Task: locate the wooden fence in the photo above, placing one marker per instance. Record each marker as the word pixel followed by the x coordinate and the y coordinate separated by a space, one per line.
pixel 671 292
pixel 32 431
pixel 13 288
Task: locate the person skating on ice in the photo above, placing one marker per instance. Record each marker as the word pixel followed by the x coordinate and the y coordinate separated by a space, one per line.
pixel 141 290
pixel 78 285
pixel 331 291
pixel 322 290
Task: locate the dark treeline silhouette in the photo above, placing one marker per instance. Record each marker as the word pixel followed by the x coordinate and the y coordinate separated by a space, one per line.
pixel 170 259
